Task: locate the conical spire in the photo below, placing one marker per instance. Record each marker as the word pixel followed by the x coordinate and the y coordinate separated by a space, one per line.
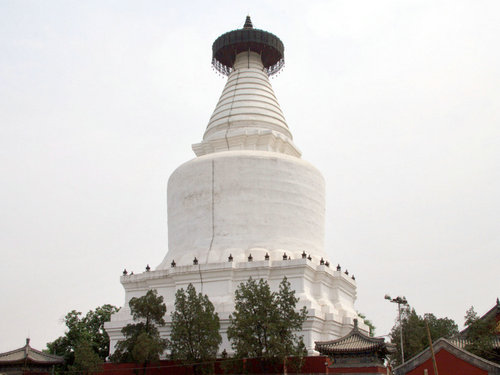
pixel 247 116
pixel 248 23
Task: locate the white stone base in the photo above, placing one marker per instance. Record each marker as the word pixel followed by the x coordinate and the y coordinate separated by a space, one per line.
pixel 328 295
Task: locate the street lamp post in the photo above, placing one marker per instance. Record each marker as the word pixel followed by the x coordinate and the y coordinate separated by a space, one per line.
pixel 400 301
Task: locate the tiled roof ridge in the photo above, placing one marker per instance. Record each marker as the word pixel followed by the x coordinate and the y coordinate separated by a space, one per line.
pixel 48 355
pixel 461 341
pixel 355 341
pixel 26 349
pixel 12 351
pixel 490 311
pixel 354 332
pixel 486 315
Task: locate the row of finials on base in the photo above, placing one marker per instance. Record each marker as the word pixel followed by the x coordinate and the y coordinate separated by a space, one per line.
pixel 322 262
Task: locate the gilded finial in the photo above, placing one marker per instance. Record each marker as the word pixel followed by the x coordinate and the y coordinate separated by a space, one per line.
pixel 248 23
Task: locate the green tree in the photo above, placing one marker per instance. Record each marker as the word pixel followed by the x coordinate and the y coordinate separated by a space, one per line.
pixel 480 335
pixel 143 343
pixel 265 324
pixel 368 322
pixel 87 361
pixel 415 332
pixel 83 331
pixel 195 336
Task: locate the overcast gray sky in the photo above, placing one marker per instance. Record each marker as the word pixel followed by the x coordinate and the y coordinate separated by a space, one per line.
pixel 396 102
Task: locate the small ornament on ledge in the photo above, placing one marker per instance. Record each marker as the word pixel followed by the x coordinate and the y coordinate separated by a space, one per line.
pixel 304 255
pixel 148 268
pixel 322 262
pixel 125 273
pixel 173 264
pixel 250 258
pixel 338 267
pixel 131 273
pixel 285 257
pixel 327 263
pixel 230 258
pixel 195 261
pixel 224 353
pixel 352 277
pixel 309 257
pixel 266 257
pixel 346 272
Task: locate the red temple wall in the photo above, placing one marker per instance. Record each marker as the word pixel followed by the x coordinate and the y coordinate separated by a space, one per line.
pixel 312 365
pixel 358 370
pixel 447 364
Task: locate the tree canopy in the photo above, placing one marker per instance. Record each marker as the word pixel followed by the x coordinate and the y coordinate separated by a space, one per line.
pixel 85 337
pixel 368 322
pixel 195 336
pixel 415 333
pixel 143 343
pixel 264 323
pixel 480 334
pixel 86 359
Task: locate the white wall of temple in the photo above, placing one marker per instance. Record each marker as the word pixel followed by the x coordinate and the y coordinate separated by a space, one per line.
pixel 329 295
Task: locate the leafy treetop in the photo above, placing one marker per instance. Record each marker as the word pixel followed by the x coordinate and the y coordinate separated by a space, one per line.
pixel 143 343
pixel 86 332
pixel 480 334
pixel 415 332
pixel 264 323
pixel 148 308
pixel 368 322
pixel 195 336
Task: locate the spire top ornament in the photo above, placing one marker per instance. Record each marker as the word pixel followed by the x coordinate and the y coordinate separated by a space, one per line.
pixel 228 45
pixel 248 23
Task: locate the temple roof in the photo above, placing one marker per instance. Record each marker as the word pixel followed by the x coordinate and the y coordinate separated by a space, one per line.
pixel 462 342
pixel 28 354
pixel 354 342
pixel 492 313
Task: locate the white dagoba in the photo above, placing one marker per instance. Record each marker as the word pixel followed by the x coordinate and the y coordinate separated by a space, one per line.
pixel 247 206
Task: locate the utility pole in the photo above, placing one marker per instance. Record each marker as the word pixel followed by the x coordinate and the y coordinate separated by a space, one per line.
pixel 434 363
pixel 400 301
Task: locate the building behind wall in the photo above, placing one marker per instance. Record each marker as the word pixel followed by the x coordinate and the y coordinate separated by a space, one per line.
pixel 27 360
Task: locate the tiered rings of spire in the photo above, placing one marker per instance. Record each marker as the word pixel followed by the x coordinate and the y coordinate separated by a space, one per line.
pixel 267 45
pixel 247 115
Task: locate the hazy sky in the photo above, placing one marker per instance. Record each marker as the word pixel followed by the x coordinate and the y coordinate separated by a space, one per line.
pixel 396 102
